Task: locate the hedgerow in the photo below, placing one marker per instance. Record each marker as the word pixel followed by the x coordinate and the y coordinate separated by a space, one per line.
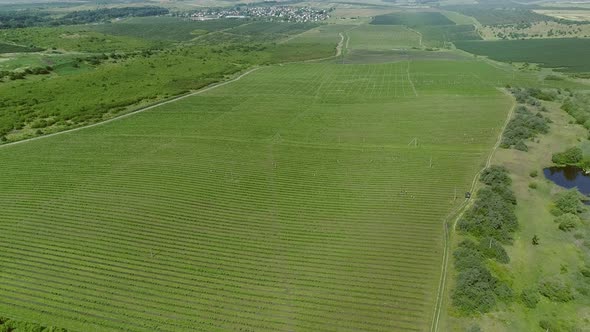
pixel 491 221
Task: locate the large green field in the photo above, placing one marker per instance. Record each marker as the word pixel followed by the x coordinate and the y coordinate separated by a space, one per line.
pixel 382 37
pixel 562 53
pixel 412 19
pixel 301 197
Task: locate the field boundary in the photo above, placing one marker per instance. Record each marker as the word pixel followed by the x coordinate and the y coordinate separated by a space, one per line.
pixel 455 215
pixel 139 110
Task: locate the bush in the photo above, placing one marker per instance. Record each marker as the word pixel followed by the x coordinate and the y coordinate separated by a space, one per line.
pixel 570 156
pixel 521 146
pixel 533 185
pixel 490 248
pixel 569 202
pixel 567 221
pixel 557 326
pixel 523 126
pixel 534 174
pixel 495 175
pixel 474 291
pixel 467 255
pixel 9 325
pixel 503 292
pixel 491 220
pixel 529 297
pixel 490 216
pixel 556 289
pixel 542 94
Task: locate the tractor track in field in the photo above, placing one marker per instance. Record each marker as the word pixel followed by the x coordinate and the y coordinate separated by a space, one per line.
pixel 454 216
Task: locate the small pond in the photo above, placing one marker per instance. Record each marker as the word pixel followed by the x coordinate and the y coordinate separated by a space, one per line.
pixel 569 177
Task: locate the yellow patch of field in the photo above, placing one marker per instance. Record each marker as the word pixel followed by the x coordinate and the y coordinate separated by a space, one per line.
pixel 570 15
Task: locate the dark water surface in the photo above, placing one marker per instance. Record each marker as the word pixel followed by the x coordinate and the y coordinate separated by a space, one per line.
pixel 569 177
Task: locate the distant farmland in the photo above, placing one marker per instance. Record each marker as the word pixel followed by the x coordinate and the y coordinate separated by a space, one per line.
pixel 564 53
pixel 302 197
pixel 412 19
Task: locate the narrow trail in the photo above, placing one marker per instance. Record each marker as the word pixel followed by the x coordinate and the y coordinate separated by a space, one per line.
pixel 139 110
pixel 419 35
pixel 410 79
pixel 455 215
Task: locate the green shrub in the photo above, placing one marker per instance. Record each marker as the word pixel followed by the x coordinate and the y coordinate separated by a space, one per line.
pixel 547 95
pixel 533 185
pixel 491 248
pixel 556 289
pixel 495 175
pixel 529 297
pixel 474 290
pixel 521 146
pixel 570 156
pixel 567 221
pixel 534 174
pixel 557 326
pixel 490 216
pixel 467 255
pixel 569 202
pixel 503 292
pixel 523 126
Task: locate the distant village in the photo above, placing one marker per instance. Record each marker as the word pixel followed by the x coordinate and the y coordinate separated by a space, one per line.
pixel 271 13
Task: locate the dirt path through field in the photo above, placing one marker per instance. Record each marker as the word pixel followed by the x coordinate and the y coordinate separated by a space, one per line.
pixel 455 215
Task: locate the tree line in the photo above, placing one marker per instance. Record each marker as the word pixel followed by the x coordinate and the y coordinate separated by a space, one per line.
pixel 31 18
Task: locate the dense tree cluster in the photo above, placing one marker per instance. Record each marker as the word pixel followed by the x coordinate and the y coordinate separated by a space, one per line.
pixel 105 14
pixel 525 125
pixel 9 325
pixel 578 106
pixel 567 207
pixel 490 223
pixel 30 18
pixel 492 214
